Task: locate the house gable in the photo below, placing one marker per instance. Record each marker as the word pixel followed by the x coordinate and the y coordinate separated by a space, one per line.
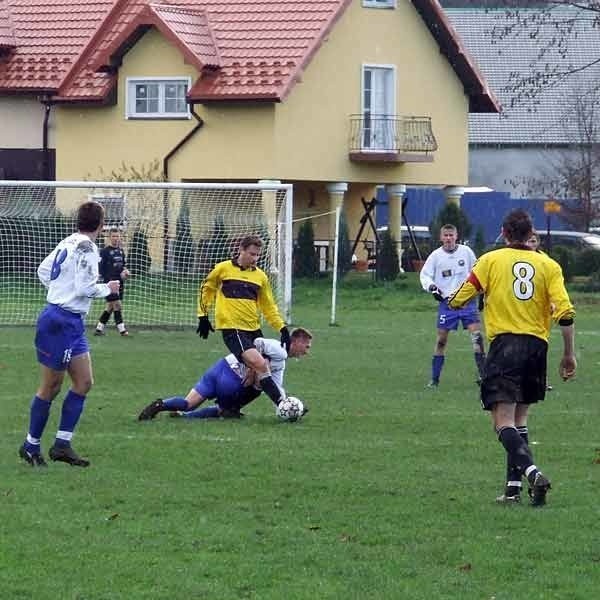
pixel 188 29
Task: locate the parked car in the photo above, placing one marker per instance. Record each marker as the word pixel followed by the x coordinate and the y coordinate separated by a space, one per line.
pixel 576 240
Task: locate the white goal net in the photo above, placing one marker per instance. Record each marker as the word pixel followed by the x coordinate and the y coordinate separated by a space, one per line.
pixel 172 235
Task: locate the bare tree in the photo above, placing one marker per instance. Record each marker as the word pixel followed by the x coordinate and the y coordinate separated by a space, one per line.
pixel 573 172
pixel 555 27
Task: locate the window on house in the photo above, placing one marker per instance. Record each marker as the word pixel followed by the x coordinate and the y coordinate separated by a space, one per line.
pixel 379 3
pixel 379 108
pixel 157 98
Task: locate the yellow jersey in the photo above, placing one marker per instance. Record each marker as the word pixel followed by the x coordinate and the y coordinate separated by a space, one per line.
pixel 524 291
pixel 239 294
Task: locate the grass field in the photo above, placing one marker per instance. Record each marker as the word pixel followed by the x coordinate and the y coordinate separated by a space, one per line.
pixel 385 491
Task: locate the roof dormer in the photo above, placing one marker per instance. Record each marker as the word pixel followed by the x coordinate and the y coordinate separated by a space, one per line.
pixel 187 28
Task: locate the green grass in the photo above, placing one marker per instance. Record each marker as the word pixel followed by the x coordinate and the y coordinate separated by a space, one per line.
pixel 384 491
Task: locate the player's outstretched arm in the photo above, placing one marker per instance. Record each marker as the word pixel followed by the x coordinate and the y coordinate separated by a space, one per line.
pixel 568 362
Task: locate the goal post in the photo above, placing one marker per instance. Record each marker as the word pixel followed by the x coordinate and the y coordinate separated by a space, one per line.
pixel 172 234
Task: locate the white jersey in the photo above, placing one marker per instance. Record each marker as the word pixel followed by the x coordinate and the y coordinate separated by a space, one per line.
pixel 447 270
pixel 270 349
pixel 70 272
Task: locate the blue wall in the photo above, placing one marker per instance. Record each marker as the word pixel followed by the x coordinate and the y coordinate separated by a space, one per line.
pixel 485 209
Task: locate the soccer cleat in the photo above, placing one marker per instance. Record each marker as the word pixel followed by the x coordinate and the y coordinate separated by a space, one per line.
pixel 432 385
pixel 99 332
pixel 151 410
pixel 124 333
pixel 67 455
pixel 508 500
pixel 539 489
pixel 549 388
pixel 34 459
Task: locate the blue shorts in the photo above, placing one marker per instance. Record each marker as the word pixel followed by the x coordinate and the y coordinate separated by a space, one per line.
pixel 59 337
pixel 448 318
pixel 219 382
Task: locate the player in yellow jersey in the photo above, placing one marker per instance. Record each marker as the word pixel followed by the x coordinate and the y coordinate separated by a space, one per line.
pixel 520 287
pixel 241 291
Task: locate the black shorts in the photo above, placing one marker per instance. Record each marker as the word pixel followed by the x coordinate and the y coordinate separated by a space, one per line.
pixel 515 370
pixel 238 340
pixel 115 297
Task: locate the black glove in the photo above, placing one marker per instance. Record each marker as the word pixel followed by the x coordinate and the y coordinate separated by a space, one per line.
pixel 204 327
pixel 285 338
pixel 435 292
pixel 480 303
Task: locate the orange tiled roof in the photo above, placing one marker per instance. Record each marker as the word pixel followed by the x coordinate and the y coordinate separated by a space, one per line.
pixel 48 36
pixel 262 46
pixel 7 36
pixel 187 28
pixel 245 49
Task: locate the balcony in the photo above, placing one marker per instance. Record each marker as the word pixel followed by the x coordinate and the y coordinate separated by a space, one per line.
pixel 384 138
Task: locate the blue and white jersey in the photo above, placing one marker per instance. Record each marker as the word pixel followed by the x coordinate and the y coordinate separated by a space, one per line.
pixel 270 349
pixel 70 273
pixel 447 270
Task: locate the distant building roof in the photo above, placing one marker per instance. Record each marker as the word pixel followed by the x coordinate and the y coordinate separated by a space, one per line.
pixel 540 121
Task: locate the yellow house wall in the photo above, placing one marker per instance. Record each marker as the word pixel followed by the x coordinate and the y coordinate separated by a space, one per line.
pixel 314 119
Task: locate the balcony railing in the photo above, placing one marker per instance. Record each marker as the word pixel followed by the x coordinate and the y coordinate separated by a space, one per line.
pixel 393 138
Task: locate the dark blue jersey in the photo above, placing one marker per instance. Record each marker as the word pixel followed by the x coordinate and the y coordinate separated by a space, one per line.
pixel 112 262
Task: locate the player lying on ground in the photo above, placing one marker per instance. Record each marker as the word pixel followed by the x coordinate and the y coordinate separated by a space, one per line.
pixel 231 383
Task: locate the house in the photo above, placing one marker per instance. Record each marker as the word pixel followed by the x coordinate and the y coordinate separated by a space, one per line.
pixel 509 149
pixel 334 96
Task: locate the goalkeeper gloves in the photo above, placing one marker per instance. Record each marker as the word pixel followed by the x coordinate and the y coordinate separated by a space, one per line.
pixel 436 293
pixel 204 327
pixel 285 338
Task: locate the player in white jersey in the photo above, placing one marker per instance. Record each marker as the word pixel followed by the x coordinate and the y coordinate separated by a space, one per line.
pixel 443 272
pixel 70 273
pixel 231 383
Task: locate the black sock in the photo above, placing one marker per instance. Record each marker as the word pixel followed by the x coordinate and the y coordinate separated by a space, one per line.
pixel 271 389
pixel 118 317
pixel 513 474
pixel 517 450
pixel 104 317
pixel 480 362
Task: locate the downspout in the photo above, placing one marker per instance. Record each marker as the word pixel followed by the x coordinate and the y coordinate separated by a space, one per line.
pixel 166 160
pixel 45 150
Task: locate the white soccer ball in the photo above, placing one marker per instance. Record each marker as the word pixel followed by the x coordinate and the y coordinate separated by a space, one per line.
pixel 290 409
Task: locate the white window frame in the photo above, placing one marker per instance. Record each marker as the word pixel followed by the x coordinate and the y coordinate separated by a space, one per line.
pixel 130 112
pixel 391 90
pixel 379 3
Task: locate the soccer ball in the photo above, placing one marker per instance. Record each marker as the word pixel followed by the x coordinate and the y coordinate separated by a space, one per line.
pixel 290 409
